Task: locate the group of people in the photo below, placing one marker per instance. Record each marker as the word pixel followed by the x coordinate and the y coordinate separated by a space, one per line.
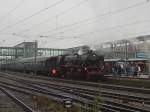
pixel 126 69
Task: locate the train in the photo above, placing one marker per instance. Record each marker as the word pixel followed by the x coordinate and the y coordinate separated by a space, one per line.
pixel 85 66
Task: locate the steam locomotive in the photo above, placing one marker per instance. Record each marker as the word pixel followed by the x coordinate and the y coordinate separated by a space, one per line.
pixel 83 66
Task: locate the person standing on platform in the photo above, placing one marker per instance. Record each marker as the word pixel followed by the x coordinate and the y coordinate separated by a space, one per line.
pixel 128 70
pixel 116 69
pixel 136 71
pixel 139 71
pixel 119 70
pixel 122 69
pixel 132 70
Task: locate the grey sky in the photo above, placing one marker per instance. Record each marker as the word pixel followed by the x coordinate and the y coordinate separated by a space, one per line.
pixel 68 23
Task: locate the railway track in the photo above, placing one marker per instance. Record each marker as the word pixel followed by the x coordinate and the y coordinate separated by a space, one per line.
pixel 58 82
pixel 84 91
pixel 88 94
pixel 105 107
pixel 51 94
pixel 91 84
pixel 10 103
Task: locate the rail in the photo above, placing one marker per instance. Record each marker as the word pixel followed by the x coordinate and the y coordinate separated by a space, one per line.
pixel 19 102
pixel 80 95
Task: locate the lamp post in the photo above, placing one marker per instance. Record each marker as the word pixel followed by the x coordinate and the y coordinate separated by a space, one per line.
pixel 126 50
pixel 126 55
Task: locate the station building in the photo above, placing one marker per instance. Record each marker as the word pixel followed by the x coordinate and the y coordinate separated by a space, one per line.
pixel 135 48
pixel 135 51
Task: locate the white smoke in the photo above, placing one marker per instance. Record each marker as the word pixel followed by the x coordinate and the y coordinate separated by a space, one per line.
pixel 83 50
pixel 80 52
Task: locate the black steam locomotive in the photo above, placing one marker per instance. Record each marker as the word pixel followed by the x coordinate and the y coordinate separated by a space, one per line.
pixel 83 66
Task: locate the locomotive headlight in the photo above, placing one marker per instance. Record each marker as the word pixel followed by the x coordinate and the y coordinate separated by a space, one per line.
pixel 85 68
pixel 54 71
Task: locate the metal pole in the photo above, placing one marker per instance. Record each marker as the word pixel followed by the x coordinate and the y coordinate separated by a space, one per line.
pixel 126 50
pixel 6 63
pixel 35 47
pixel 1 64
pixel 148 64
pixel 126 57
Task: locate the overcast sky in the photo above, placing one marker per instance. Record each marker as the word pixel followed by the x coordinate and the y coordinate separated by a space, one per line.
pixel 69 23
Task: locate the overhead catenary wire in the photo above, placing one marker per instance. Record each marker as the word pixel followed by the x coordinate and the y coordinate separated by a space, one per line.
pixel 60 14
pixel 76 23
pixel 117 26
pixel 34 14
pixel 94 18
pixel 87 33
pixel 11 11
pixel 108 28
pixel 102 15
pixel 98 16
pixel 92 32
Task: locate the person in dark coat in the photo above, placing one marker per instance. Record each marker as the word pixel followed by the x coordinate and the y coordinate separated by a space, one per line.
pixel 119 70
pixel 128 70
pixel 136 71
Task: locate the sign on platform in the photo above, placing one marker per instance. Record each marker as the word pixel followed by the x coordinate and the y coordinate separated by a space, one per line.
pixel 141 55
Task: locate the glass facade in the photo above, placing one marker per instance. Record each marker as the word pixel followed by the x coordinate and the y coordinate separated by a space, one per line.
pixel 11 53
pixel 50 52
pixel 126 49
